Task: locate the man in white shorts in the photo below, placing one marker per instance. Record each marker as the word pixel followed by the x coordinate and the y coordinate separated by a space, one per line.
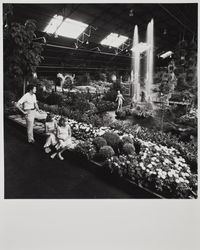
pixel 29 107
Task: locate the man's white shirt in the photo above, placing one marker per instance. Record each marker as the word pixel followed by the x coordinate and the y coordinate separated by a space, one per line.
pixel 28 101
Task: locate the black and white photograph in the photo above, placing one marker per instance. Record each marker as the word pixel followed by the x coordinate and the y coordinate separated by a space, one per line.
pixel 99 125
pixel 100 101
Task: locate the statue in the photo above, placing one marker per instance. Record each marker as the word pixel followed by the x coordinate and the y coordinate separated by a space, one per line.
pixel 119 100
pixel 64 77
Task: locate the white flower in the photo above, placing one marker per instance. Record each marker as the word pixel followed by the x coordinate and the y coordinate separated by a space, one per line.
pixel 170 174
pixel 176 175
pixel 177 181
pixel 181 179
pixel 149 166
pixel 141 164
pixel 167 161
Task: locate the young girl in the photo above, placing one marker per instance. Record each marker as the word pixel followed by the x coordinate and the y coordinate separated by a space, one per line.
pixel 50 130
pixel 63 138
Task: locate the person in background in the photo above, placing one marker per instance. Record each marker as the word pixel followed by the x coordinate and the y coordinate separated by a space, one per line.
pixel 63 138
pixel 120 100
pixel 29 107
pixel 50 130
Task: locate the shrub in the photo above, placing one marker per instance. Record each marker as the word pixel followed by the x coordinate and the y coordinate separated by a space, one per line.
pixel 96 120
pixel 54 109
pixel 104 106
pixel 99 142
pixel 110 95
pixel 121 115
pixel 54 99
pixel 128 149
pixel 86 149
pixel 127 139
pixel 9 98
pixel 41 95
pixel 106 152
pixel 112 139
pixel 80 102
pixel 65 111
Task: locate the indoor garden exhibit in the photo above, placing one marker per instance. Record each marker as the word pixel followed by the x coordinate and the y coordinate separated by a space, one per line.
pixel 100 101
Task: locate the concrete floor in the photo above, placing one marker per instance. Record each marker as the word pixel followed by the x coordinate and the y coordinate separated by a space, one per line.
pixel 30 173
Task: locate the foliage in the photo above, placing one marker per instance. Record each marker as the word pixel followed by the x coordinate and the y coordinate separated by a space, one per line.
pixel 81 103
pixel 99 142
pixel 112 139
pixel 54 99
pixel 123 165
pixel 127 139
pixel 86 149
pixel 165 169
pixel 106 152
pixel 46 84
pixel 121 115
pixel 110 95
pixel 142 112
pixel 9 98
pixel 21 53
pixel 104 106
pixel 128 149
pixel 83 79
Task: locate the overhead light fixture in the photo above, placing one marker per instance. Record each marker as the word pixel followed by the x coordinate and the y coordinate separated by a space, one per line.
pixel 131 12
pixel 114 40
pixel 166 54
pixel 140 47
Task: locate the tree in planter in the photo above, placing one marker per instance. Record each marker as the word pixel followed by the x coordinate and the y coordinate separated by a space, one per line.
pixel 22 54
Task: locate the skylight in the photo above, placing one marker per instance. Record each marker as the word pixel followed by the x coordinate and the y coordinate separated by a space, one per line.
pixel 114 40
pixel 71 28
pixel 68 28
pixel 53 24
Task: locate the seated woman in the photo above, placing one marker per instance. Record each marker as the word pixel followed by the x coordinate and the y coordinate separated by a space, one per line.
pixel 50 130
pixel 63 137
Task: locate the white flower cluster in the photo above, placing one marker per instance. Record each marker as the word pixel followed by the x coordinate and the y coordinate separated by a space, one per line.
pixel 165 162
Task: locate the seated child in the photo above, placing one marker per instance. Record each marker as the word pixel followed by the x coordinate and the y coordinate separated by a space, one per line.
pixel 63 137
pixel 50 130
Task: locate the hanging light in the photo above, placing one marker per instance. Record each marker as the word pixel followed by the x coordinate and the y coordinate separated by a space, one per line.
pixel 165 32
pixel 87 42
pixel 131 12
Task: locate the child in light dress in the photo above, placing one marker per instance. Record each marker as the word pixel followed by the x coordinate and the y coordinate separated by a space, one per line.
pixel 63 137
pixel 50 130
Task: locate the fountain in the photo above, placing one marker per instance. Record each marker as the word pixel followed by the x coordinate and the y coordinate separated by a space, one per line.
pixel 137 50
pixel 149 61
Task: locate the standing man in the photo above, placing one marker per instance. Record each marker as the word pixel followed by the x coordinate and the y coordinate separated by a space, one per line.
pixel 29 107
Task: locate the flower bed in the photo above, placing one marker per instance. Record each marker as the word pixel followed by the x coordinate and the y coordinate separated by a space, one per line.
pixel 154 166
pixel 187 149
